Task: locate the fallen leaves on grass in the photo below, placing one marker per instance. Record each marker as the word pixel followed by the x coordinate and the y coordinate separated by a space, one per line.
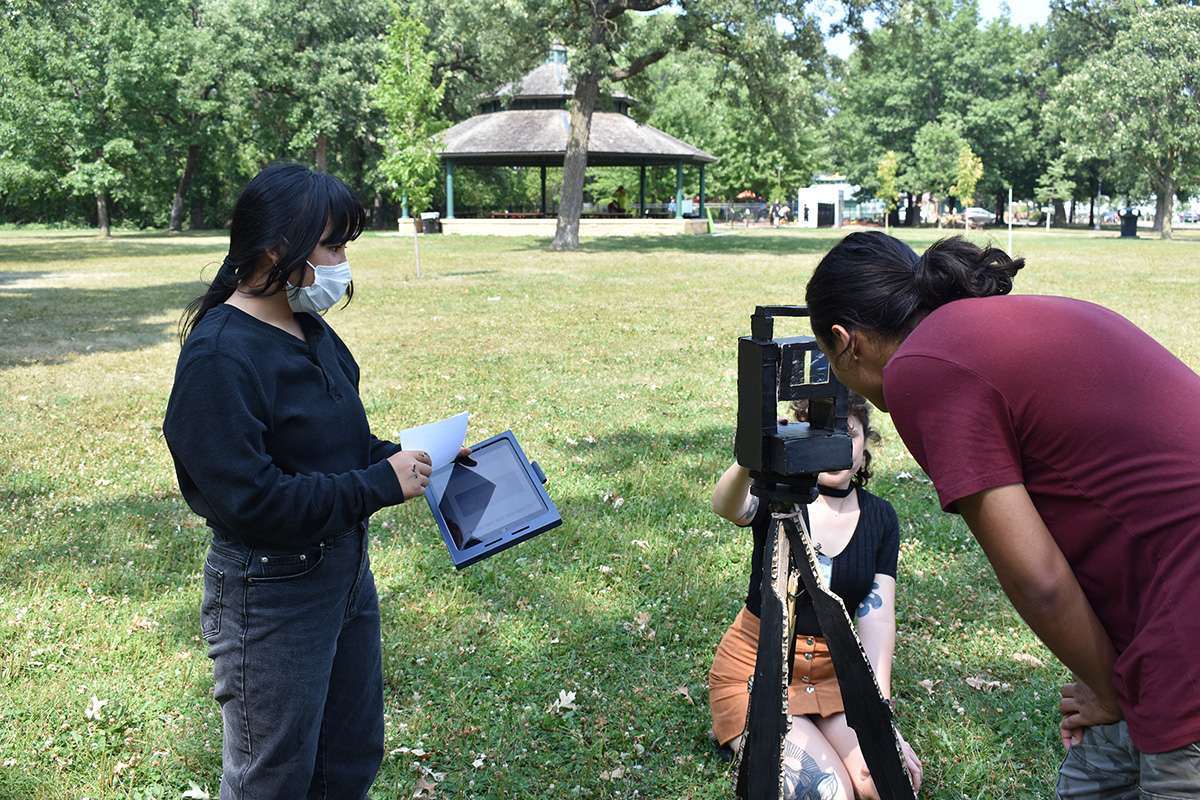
pixel 613 499
pixel 94 708
pixel 683 691
pixel 612 775
pixel 982 685
pixel 565 702
pixel 640 626
pixel 425 788
pixel 194 792
pixel 419 752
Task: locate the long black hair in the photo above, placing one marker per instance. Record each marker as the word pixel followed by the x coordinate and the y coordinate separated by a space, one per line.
pixel 874 282
pixel 285 208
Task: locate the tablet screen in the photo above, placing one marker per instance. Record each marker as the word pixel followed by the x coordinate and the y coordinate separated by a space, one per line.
pixel 491 499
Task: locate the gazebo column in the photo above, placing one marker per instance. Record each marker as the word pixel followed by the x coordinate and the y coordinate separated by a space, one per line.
pixel 702 214
pixel 678 190
pixel 543 190
pixel 449 189
pixel 642 195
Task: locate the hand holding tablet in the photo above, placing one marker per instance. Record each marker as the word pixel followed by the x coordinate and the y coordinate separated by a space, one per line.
pixel 488 501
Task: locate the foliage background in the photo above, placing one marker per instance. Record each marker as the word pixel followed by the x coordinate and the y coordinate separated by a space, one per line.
pixel 574 665
pixel 155 113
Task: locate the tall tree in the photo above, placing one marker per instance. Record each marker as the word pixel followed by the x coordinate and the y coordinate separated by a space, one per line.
pixel 936 150
pixel 605 45
pixel 887 171
pixel 933 63
pixel 1055 187
pixel 314 65
pixel 615 40
pixel 408 99
pixel 702 97
pixel 1140 102
pixel 71 93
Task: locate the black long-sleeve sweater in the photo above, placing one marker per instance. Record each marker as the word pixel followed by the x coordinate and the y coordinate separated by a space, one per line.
pixel 270 440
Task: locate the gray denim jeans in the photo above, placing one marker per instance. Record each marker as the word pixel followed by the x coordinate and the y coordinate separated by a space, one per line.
pixel 1107 766
pixel 293 633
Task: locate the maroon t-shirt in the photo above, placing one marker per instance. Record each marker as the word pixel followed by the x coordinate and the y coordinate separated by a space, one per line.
pixel 1102 426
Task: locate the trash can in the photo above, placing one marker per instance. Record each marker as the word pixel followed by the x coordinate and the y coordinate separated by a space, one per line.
pixel 429 222
pixel 1129 220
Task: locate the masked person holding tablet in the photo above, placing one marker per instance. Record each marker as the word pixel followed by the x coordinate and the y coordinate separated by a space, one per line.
pixel 273 449
pixel 1069 441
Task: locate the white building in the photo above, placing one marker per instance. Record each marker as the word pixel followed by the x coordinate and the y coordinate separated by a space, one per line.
pixel 823 204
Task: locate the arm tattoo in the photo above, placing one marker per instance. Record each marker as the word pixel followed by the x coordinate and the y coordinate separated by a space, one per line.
pixel 751 510
pixel 872 600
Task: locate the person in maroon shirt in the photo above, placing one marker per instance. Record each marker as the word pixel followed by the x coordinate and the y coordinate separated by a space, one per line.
pixel 1069 441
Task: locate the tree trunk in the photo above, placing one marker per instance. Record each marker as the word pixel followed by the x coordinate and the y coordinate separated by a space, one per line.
pixel 102 214
pixel 1060 213
pixel 377 212
pixel 196 223
pixel 185 182
pixel 566 234
pixel 1164 206
pixel 322 154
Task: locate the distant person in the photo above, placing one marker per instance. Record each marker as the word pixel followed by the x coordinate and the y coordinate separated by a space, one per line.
pixel 1069 441
pixel 273 449
pixel 618 203
pixel 860 534
pixel 671 207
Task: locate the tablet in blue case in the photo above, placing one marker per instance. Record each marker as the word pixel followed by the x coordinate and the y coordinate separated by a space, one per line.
pixel 491 505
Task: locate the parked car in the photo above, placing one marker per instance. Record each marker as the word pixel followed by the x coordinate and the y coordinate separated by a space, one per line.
pixel 979 216
pixel 1190 216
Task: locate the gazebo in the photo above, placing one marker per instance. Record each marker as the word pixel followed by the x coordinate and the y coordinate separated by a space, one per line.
pixel 526 125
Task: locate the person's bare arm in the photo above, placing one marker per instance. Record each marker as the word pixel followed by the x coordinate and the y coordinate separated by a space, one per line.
pixel 876 621
pixel 731 497
pixel 1038 580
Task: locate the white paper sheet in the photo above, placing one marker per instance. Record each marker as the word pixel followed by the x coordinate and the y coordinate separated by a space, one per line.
pixel 442 439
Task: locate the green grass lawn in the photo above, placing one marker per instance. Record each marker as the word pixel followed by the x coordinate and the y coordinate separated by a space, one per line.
pixel 574 665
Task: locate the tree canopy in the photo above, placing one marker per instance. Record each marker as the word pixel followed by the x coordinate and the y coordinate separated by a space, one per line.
pixel 153 114
pixel 1139 103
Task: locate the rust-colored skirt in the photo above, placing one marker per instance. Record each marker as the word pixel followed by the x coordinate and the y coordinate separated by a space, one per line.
pixel 813 689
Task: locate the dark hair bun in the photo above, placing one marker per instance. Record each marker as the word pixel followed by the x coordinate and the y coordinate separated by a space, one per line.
pixel 954 268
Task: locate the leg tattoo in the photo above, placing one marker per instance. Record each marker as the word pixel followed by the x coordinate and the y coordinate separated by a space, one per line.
pixel 803 778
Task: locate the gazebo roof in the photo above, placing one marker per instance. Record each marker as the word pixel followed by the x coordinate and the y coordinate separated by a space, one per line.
pixel 547 82
pixel 538 138
pixel 528 136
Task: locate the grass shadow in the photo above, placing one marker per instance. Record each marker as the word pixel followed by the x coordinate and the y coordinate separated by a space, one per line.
pixel 142 547
pixel 739 243
pixel 41 247
pixel 55 324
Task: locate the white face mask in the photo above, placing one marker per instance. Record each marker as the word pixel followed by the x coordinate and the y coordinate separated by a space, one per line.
pixel 328 286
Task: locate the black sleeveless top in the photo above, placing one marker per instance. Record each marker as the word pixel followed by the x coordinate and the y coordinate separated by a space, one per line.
pixel 874 547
